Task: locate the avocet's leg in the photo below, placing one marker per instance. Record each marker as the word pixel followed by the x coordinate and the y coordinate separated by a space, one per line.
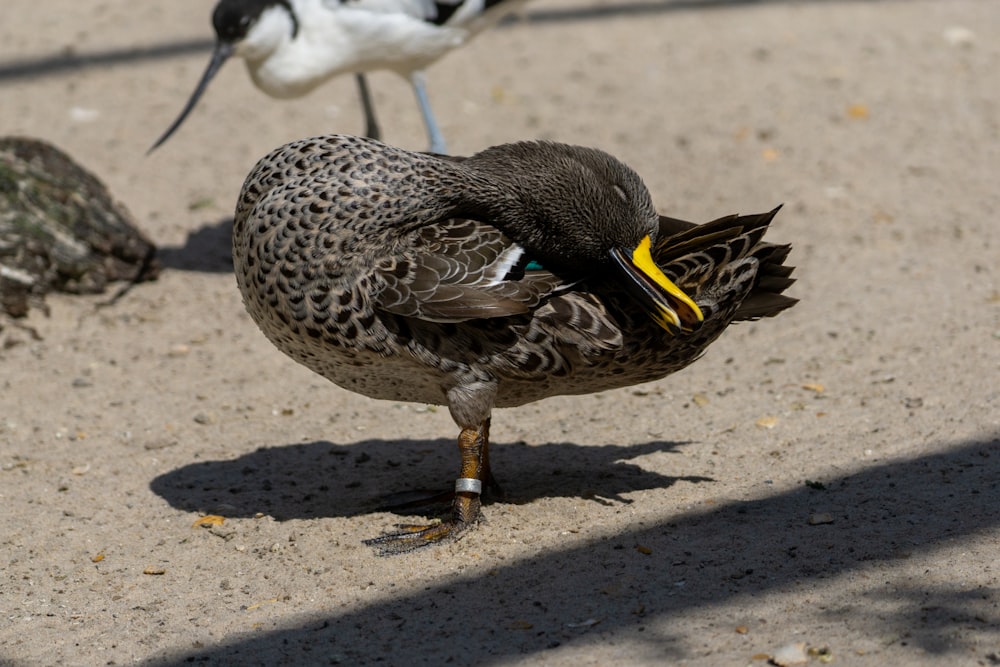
pixel 433 131
pixel 372 130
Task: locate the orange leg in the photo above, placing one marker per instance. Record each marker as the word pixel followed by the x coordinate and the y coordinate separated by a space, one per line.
pixel 473 446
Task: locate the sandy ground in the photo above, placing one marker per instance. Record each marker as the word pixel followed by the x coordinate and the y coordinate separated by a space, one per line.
pixel 827 477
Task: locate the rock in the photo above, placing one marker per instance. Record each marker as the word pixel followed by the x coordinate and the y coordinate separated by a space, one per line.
pixel 60 229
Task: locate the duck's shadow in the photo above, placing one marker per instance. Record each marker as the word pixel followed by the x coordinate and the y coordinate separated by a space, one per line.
pixel 324 479
pixel 208 248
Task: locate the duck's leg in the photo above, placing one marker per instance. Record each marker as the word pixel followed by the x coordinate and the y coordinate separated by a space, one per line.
pixel 433 131
pixel 416 498
pixel 473 446
pixel 372 130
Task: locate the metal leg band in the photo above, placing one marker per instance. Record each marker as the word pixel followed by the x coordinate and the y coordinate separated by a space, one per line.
pixel 468 485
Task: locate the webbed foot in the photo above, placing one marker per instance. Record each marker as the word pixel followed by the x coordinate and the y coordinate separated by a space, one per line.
pixel 473 444
pixel 465 513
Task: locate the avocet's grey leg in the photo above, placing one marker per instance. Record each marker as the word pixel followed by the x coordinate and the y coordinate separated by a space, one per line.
pixel 372 130
pixel 433 132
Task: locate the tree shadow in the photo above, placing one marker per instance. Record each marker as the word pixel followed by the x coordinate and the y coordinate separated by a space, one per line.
pixel 70 61
pixel 323 479
pixel 639 8
pixel 208 249
pixel 698 559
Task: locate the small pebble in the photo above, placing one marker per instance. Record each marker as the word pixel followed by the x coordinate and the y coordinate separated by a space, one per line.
pixel 960 36
pixel 83 115
pixel 819 518
pixel 792 654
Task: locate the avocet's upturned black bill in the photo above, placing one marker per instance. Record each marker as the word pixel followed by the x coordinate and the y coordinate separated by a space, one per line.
pixel 292 46
pixel 220 55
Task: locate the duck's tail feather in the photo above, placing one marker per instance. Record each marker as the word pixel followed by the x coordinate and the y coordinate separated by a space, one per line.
pixel 695 256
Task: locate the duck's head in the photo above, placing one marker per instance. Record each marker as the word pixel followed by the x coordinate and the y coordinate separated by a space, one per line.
pixel 252 29
pixel 581 211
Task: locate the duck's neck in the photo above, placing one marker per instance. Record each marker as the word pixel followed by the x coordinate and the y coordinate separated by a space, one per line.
pixel 540 209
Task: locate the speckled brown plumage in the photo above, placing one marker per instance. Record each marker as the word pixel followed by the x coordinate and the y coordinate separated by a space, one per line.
pixel 412 277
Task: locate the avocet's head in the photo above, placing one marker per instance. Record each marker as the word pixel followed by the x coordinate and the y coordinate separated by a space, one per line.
pixel 252 29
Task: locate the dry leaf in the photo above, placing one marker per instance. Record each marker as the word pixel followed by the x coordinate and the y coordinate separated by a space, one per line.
pixel 261 604
pixel 767 422
pixel 643 549
pixel 701 400
pixel 97 559
pixel 857 111
pixel 520 625
pixel 817 387
pixel 209 520
pixel 742 629
pixel 154 570
pixel 769 154
pixel 881 216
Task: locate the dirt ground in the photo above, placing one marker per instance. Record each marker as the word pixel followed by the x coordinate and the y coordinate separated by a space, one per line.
pixel 829 477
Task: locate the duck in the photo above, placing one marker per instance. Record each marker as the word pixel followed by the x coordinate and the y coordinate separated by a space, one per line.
pixel 527 270
pixel 293 46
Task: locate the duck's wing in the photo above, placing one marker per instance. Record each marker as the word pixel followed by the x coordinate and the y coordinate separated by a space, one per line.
pixel 461 270
pixel 671 226
pixel 695 256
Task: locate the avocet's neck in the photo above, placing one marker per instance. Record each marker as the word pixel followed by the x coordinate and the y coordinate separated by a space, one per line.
pixel 273 31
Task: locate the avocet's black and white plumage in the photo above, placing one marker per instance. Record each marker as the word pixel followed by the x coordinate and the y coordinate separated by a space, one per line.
pixel 292 46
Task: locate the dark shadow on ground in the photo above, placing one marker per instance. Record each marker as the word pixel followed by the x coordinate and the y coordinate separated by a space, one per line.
pixel 888 512
pixel 69 61
pixel 322 479
pixel 208 249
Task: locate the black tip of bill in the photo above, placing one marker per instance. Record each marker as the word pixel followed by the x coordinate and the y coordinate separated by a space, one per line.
pixel 666 303
pixel 220 54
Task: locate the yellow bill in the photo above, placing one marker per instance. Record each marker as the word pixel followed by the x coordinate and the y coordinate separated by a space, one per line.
pixel 666 303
